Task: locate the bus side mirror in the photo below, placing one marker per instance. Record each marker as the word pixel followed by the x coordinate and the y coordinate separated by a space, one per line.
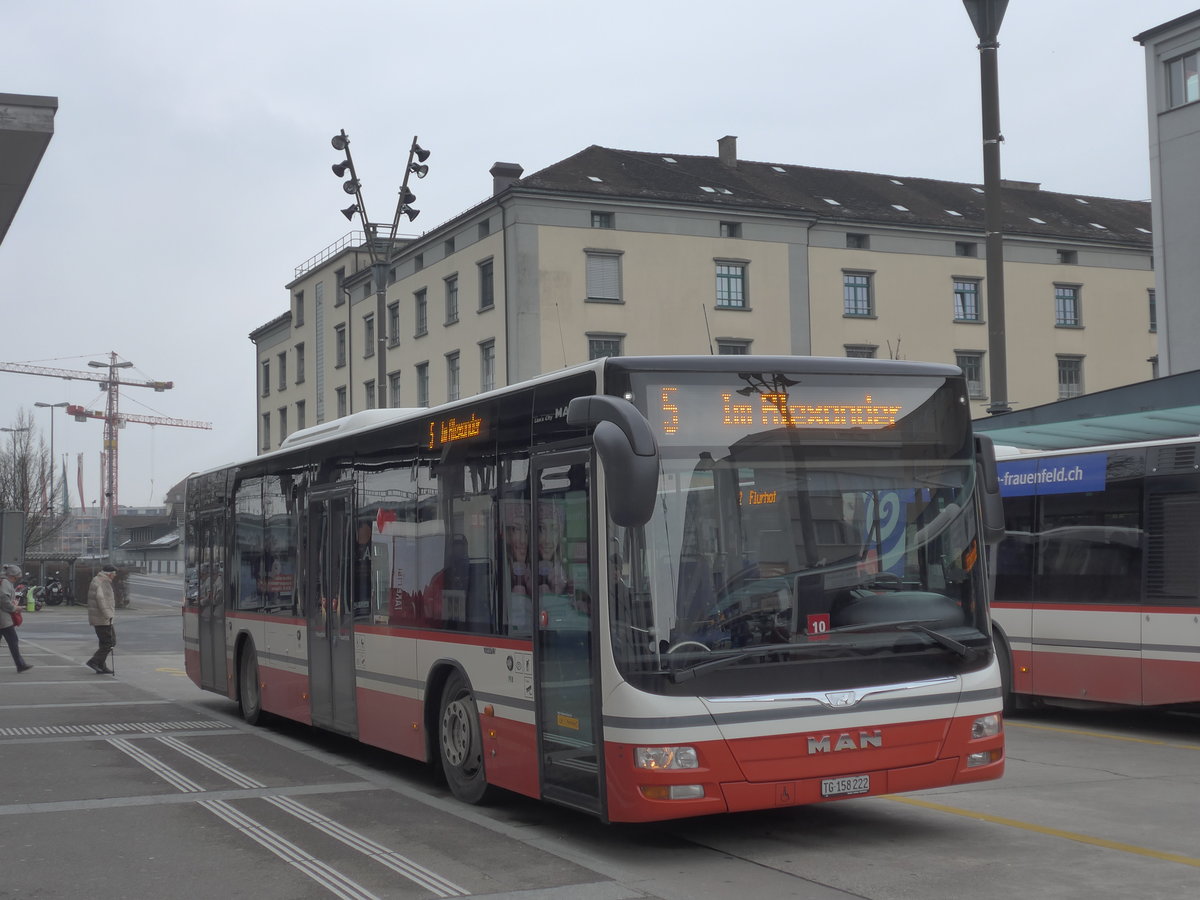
pixel 627 448
pixel 990 504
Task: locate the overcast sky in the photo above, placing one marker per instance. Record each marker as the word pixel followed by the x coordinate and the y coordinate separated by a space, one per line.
pixel 189 171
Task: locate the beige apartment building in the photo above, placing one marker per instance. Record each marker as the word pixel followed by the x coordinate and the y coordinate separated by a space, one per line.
pixel 633 253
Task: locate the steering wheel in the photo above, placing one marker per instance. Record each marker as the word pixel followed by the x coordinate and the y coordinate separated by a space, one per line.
pixel 682 644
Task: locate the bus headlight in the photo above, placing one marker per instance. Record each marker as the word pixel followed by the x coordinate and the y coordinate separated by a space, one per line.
pixel 985 727
pixel 665 758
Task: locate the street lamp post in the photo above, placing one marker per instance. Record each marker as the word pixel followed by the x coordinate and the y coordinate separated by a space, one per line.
pixel 52 407
pixel 986 16
pixel 380 247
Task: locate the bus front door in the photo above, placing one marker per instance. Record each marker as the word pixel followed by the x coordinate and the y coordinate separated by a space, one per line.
pixel 210 589
pixel 568 706
pixel 330 613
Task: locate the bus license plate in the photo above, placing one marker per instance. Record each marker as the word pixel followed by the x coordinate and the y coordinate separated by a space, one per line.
pixel 841 787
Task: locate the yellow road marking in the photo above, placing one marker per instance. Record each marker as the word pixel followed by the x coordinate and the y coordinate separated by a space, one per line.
pixel 1008 723
pixel 171 670
pixel 1051 832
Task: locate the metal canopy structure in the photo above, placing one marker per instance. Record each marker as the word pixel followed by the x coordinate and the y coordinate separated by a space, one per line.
pixel 1149 410
pixel 26 125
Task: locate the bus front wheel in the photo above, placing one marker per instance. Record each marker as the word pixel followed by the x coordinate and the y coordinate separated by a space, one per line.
pixel 460 743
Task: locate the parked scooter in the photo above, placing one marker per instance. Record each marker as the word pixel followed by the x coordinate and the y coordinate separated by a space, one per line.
pixel 55 592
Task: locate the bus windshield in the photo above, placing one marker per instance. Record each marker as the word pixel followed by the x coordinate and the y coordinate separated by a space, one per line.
pixel 795 553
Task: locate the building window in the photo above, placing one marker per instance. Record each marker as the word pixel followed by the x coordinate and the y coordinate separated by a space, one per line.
pixel 1066 306
pixel 283 432
pixel 451 299
pixel 282 375
pixel 339 290
pixel 857 296
pixel 393 323
pixel 966 300
pixel 339 346
pixel 1068 257
pixel 966 248
pixel 423 384
pixel 732 347
pixel 421 306
pixel 600 345
pixel 453 370
pixel 341 402
pixel 971 363
pixel 487 287
pixel 1070 376
pixel 448 246
pixel 602 220
pixel 1153 312
pixel 485 228
pixel 604 277
pixel 418 262
pixel 858 242
pixel 266 431
pixel 266 378
pixel 300 363
pixel 394 387
pixel 731 285
pixel 300 417
pixel 369 394
pixel 1183 80
pixel 861 351
pixel 731 229
pixel 369 335
pixel 298 314
pixel 487 366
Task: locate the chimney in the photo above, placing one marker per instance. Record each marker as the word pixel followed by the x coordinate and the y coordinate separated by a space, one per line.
pixel 727 150
pixel 504 174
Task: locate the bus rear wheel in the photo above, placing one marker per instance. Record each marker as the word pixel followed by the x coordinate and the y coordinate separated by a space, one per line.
pixel 249 695
pixel 460 743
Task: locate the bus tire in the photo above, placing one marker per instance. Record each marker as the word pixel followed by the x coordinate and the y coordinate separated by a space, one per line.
pixel 460 742
pixel 249 694
pixel 1004 658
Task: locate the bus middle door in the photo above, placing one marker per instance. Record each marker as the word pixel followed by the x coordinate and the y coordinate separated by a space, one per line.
pixel 567 698
pixel 329 609
pixel 214 667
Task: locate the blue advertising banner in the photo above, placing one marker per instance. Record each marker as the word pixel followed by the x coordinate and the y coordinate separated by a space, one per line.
pixel 1054 475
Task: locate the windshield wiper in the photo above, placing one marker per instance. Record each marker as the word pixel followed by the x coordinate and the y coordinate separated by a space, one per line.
pixel 911 625
pixel 680 675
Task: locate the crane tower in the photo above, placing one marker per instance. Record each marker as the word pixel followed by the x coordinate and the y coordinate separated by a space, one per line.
pixel 110 380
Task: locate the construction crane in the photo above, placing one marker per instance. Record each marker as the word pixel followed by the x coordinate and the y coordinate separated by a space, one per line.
pixel 110 380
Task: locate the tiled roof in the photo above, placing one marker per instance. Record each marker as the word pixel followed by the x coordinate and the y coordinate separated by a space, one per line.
pixel 833 194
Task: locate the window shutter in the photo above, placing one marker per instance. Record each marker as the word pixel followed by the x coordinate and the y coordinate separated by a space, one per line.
pixel 603 277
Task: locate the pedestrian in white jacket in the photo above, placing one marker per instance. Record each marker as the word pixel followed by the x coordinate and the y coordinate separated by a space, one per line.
pixel 102 606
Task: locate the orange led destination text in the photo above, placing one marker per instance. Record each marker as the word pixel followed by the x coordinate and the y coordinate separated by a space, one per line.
pixel 447 431
pixel 774 409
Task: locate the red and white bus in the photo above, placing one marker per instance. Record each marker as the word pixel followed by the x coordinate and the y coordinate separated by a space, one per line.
pixel 1098 579
pixel 643 587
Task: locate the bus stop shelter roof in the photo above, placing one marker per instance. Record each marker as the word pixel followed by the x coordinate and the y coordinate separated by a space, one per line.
pixel 1158 409
pixel 26 125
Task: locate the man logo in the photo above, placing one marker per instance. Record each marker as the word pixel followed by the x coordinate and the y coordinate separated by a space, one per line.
pixel 842 698
pixel 845 741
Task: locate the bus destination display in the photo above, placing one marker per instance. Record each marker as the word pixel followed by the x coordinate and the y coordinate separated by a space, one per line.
pixel 698 413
